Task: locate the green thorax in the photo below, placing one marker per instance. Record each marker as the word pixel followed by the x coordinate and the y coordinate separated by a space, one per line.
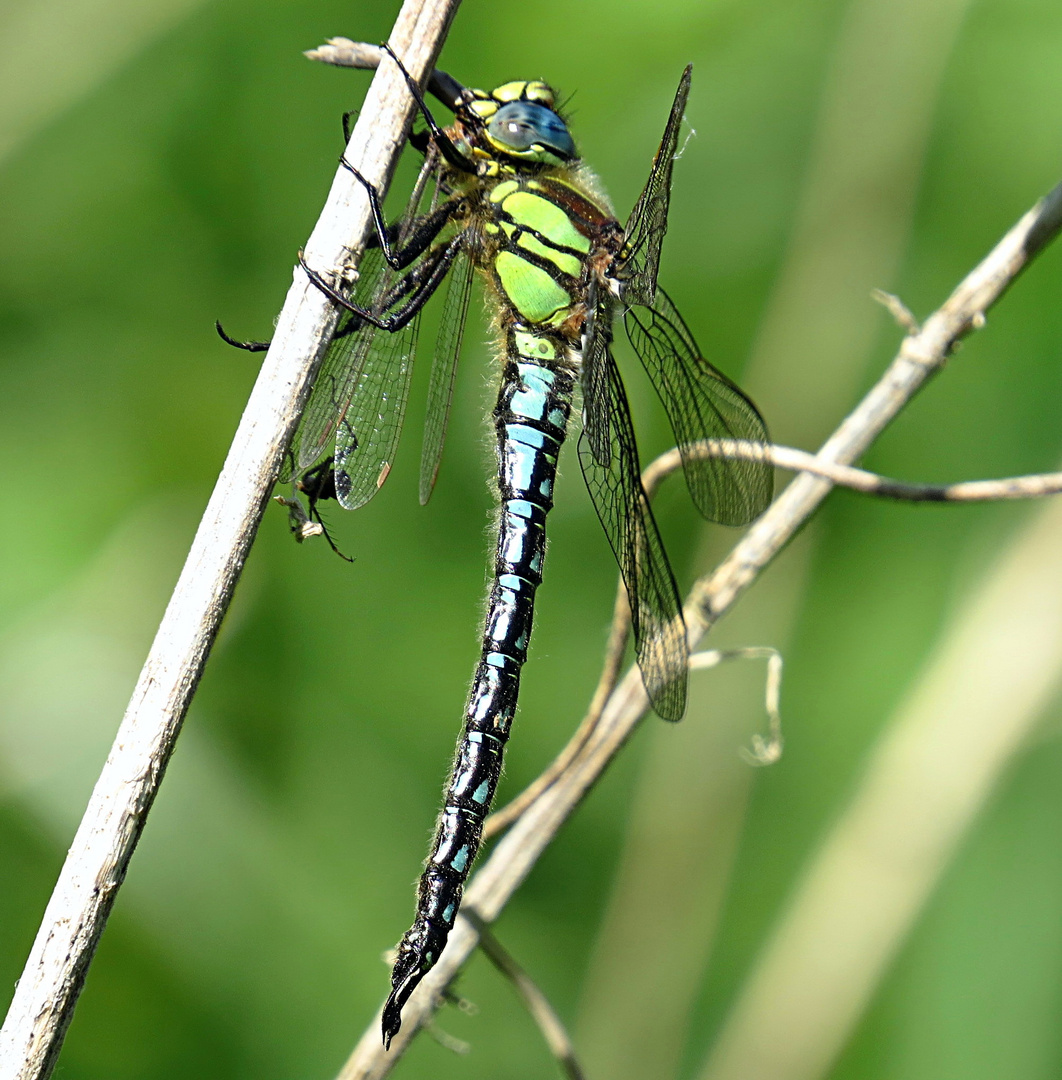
pixel 543 228
pixel 542 233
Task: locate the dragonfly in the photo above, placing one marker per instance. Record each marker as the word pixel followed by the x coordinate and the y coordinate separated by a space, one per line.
pixel 503 194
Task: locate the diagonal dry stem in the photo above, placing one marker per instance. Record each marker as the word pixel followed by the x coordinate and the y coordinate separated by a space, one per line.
pixel 1032 486
pixel 537 1004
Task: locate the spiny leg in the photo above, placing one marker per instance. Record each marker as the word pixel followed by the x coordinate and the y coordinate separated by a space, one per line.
pixel 424 230
pixel 443 141
pixel 423 291
pixel 247 346
pixel 449 92
pixel 319 484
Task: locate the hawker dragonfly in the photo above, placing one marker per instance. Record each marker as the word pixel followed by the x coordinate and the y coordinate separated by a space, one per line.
pixel 503 193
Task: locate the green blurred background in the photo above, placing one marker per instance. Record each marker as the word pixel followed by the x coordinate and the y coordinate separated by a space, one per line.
pixel 159 167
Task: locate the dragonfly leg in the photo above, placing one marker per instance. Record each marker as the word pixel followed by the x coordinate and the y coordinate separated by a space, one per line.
pixel 261 346
pixel 443 141
pixel 249 346
pixel 425 280
pixel 424 229
pixel 319 484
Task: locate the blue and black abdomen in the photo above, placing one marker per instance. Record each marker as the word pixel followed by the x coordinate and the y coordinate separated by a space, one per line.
pixel 531 419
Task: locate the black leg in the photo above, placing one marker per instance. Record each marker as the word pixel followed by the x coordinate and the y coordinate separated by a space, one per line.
pixel 421 284
pixel 446 147
pixel 352 326
pixel 319 484
pixel 420 140
pixel 424 229
pixel 249 346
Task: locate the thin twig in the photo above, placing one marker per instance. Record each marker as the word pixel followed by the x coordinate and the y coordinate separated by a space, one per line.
pixel 446 1040
pixel 920 355
pixel 1032 486
pixel 765 751
pixel 342 52
pixel 783 457
pixel 99 856
pixel 897 309
pixel 542 1012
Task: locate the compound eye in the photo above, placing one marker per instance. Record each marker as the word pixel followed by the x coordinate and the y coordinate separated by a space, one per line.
pixel 515 133
pixel 521 125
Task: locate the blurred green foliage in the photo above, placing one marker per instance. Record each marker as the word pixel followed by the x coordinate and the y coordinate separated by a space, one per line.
pixel 165 177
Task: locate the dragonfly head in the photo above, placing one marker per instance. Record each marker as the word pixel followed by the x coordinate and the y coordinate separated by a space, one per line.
pixel 517 121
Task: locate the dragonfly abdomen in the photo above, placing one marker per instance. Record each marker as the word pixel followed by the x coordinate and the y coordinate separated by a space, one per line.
pixel 531 419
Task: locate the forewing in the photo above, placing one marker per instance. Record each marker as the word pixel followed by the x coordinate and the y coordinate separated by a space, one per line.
pixel 444 370
pixel 338 376
pixel 368 431
pixel 702 403
pixel 648 221
pixel 359 399
pixel 621 503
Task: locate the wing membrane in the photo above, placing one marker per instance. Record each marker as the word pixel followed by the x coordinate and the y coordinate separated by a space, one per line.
pixel 335 382
pixel 368 430
pixel 608 454
pixel 702 403
pixel 597 426
pixel 443 371
pixel 359 398
pixel 648 221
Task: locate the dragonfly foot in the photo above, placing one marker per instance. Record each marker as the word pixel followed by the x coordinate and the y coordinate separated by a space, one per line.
pixel 249 346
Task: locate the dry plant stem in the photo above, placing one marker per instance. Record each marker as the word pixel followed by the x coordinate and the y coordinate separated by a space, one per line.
pixel 514 855
pixel 342 52
pixel 920 356
pixel 785 457
pixel 549 1023
pixel 99 855
pixel 897 309
pixel 765 751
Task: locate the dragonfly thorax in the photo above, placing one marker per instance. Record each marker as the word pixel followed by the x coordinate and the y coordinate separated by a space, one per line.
pixel 542 236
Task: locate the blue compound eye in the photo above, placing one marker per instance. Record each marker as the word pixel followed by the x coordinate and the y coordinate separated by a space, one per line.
pixel 519 126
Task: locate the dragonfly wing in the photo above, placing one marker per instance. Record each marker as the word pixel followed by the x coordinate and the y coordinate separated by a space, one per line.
pixel 597 423
pixel 337 378
pixel 444 370
pixel 358 400
pixel 369 427
pixel 702 403
pixel 608 454
pixel 648 221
